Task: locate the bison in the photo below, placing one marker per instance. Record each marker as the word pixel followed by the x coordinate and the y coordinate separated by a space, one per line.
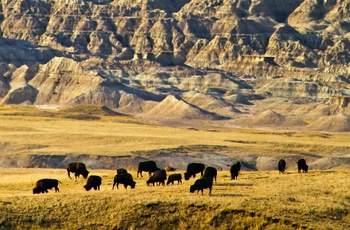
pixel 78 168
pixel 44 184
pixel 93 182
pixel 201 184
pixel 302 166
pixel 158 176
pixel 281 166
pixel 210 172
pixel 193 169
pixel 147 166
pixel 174 177
pixel 125 179
pixel 234 170
pixel 121 171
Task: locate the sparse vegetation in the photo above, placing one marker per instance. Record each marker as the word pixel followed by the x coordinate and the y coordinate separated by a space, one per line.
pixel 264 199
pixel 257 200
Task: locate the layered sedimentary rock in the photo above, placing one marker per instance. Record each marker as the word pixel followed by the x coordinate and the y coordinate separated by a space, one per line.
pixel 132 55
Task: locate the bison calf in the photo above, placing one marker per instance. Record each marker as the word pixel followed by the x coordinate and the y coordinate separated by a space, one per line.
pixel 44 184
pixel 93 182
pixel 174 177
pixel 125 179
pixel 201 184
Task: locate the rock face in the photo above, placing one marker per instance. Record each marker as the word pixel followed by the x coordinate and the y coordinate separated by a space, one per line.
pixel 135 55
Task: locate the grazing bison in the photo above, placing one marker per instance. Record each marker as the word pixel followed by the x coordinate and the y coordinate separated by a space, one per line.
pixel 193 169
pixel 174 177
pixel 210 172
pixel 44 184
pixel 158 176
pixel 234 170
pixel 93 182
pixel 147 166
pixel 121 171
pixel 281 166
pixel 302 166
pixel 78 168
pixel 201 184
pixel 125 179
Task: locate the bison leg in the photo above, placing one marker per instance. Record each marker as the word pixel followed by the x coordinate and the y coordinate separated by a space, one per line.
pixel 209 191
pixel 56 189
pixel 69 174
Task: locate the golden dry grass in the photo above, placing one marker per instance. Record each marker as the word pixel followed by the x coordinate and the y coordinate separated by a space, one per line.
pixel 257 200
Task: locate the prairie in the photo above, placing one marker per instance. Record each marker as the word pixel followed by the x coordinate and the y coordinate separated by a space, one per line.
pixel 256 200
pixel 261 198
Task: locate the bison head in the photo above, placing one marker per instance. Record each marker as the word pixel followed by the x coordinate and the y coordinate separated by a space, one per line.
pixel 36 190
pixel 85 174
pixel 192 188
pixel 88 187
pixel 132 184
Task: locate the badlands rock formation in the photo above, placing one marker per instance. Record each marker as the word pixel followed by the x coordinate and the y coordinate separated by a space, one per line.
pixel 213 59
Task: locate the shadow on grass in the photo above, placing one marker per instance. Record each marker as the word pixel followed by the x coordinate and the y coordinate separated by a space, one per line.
pixel 226 195
pixel 233 184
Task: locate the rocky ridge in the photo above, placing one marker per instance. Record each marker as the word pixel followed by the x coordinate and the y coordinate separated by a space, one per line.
pixel 218 59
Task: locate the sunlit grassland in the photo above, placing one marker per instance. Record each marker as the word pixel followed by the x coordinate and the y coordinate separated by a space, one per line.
pixel 33 131
pixel 257 200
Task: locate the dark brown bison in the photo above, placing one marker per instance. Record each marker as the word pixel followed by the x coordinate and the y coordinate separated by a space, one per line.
pixel 44 184
pixel 121 171
pixel 234 170
pixel 302 166
pixel 281 166
pixel 193 169
pixel 93 181
pixel 125 179
pixel 210 172
pixel 78 169
pixel 174 177
pixel 158 176
pixel 147 166
pixel 201 184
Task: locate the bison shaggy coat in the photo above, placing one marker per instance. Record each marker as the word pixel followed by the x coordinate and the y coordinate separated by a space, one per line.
pixel 234 170
pixel 125 179
pixel 174 177
pixel 282 166
pixel 158 176
pixel 302 166
pixel 201 184
pixel 78 169
pixel 210 172
pixel 44 184
pixel 121 171
pixel 93 182
pixel 193 169
pixel 147 166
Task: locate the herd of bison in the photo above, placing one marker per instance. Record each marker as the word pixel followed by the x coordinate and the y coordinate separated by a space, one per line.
pixel 157 176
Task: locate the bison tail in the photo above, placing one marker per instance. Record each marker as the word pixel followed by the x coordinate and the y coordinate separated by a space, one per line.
pixel 59 182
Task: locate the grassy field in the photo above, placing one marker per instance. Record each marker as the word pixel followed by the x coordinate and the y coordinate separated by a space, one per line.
pixel 263 199
pixel 257 200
